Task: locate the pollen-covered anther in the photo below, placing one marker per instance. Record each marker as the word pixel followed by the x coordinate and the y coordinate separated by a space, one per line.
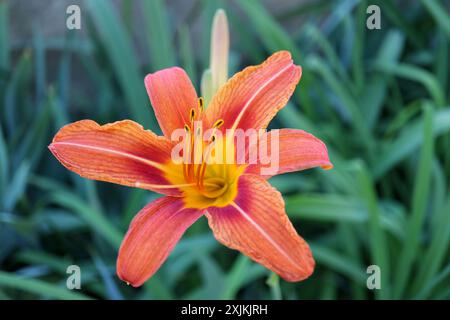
pixel 201 104
pixel 192 115
pixel 218 124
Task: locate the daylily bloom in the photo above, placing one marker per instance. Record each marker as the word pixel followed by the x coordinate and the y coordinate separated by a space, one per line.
pixel 243 210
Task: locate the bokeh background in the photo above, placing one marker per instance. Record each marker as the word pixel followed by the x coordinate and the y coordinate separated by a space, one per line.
pixel 378 98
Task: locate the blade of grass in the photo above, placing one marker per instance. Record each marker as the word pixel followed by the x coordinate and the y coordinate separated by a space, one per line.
pixel 350 244
pixel 95 219
pixel 274 283
pixel 410 72
pixel 38 287
pixel 335 208
pixel 379 249
pixel 34 143
pixel 418 205
pixel 4 38
pixel 373 96
pixel 235 277
pixel 111 288
pixel 432 283
pixel 358 47
pixel 397 17
pixel 41 258
pixel 333 260
pixel 439 13
pixel 40 66
pixel 441 65
pixel 159 37
pixel 271 33
pixel 435 254
pixel 275 38
pixel 212 279
pixel 157 288
pixel 408 141
pixel 17 186
pixel 348 103
pixel 124 61
pixel 20 74
pixel 186 53
pixel 4 166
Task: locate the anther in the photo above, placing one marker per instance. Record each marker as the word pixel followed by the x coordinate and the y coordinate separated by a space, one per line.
pixel 187 129
pixel 218 124
pixel 201 103
pixel 192 114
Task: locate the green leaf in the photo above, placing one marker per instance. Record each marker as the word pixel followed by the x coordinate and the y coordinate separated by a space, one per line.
pixel 159 38
pixel 4 165
pixel 39 287
pixel 118 47
pixel 187 57
pixel 336 208
pixel 409 139
pixel 271 33
pixel 338 263
pixel 242 272
pixel 4 38
pixel 436 252
pixel 427 79
pixel 439 13
pixel 418 205
pixel 17 186
pixel 378 245
pixel 274 283
pixel 95 219
pixel 348 104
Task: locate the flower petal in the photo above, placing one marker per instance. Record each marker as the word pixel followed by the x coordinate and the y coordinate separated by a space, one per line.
pixel 152 235
pixel 257 225
pixel 252 97
pixel 121 152
pixel 172 96
pixel 297 150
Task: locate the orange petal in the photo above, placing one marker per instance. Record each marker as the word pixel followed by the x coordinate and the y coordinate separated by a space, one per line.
pixel 252 97
pixel 257 225
pixel 152 235
pixel 172 96
pixel 297 150
pixel 121 152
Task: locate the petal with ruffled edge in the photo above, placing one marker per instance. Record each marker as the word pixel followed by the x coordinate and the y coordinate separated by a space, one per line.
pixel 121 152
pixel 257 225
pixel 152 235
pixel 286 150
pixel 252 97
pixel 172 96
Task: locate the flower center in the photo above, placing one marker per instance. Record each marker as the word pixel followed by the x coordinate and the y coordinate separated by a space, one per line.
pixel 207 179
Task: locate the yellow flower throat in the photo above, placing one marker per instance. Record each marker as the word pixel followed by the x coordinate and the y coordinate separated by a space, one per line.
pixel 204 177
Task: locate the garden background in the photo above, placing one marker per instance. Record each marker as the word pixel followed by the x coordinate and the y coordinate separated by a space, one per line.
pixel 378 98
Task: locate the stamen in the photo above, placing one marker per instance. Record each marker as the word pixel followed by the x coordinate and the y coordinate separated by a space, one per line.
pixel 218 124
pixel 192 163
pixel 201 104
pixel 202 169
pixel 196 173
pixel 187 153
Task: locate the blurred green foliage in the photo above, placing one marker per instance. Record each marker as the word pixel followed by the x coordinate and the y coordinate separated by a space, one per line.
pixel 378 98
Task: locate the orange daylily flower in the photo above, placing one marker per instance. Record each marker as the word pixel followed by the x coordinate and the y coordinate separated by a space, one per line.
pixel 243 210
